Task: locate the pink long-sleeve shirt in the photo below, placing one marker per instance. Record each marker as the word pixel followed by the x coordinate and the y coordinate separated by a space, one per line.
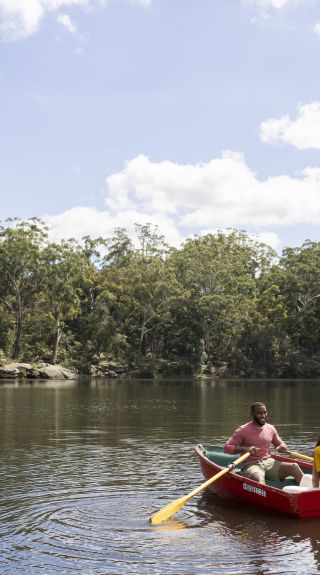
pixel 250 434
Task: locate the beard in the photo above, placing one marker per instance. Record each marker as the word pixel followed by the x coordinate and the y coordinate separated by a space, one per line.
pixel 259 422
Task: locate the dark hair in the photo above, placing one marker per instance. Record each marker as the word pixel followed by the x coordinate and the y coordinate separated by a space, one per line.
pixel 318 442
pixel 259 404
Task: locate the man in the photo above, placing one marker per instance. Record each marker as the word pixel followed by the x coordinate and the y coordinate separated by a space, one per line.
pixel 256 436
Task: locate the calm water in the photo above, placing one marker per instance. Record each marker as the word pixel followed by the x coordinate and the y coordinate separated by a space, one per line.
pixel 83 465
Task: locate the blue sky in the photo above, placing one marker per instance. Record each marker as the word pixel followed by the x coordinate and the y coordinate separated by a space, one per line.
pixel 194 115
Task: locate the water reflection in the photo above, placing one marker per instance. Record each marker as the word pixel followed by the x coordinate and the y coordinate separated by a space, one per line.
pixel 273 540
pixel 173 524
pixel 84 464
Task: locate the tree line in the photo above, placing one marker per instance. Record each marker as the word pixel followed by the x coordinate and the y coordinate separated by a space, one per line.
pixel 221 304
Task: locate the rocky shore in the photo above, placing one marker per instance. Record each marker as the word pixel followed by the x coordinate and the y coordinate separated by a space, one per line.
pixel 17 370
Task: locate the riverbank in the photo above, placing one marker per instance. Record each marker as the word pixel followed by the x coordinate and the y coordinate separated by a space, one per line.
pixel 17 370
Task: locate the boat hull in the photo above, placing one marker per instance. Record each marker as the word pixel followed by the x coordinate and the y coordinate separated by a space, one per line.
pixel 232 485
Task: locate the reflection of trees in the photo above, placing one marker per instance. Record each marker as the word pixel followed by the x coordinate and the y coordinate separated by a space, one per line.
pixel 274 543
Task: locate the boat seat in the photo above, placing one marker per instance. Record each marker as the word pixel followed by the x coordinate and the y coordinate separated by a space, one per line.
pixel 296 488
pixel 305 485
pixel 287 482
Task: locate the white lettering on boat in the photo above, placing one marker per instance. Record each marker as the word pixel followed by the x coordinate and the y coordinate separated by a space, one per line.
pixel 254 489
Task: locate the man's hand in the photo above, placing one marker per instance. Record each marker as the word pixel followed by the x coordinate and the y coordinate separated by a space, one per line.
pixel 282 448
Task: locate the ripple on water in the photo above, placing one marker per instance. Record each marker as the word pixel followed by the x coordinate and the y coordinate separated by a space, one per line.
pixel 76 500
pixel 101 533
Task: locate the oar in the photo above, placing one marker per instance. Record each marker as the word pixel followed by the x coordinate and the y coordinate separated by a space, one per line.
pixel 174 506
pixel 300 456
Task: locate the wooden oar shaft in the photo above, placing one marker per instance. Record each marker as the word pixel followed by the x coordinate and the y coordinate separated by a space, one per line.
pixel 300 456
pixel 218 475
pixel 170 509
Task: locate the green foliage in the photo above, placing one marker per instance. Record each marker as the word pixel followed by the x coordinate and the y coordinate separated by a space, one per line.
pixel 3 357
pixel 20 248
pixel 218 305
pixel 220 273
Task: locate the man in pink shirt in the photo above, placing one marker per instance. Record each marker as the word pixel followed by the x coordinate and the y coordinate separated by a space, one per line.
pixel 256 436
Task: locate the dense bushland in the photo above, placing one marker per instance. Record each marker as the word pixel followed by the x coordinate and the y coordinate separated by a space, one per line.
pixel 220 304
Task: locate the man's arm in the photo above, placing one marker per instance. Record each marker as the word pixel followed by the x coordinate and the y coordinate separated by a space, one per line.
pixel 278 443
pixel 236 444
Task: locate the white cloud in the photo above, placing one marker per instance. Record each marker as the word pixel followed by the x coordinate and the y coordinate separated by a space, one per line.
pixel 266 8
pixel 19 19
pixel 223 192
pixel 269 238
pixel 266 5
pixel 196 198
pixel 302 132
pixel 66 21
pixel 317 28
pixel 82 221
pixel 22 18
pixel 144 3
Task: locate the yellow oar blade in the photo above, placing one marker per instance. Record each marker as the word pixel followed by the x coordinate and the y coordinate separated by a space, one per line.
pixel 167 511
pixel 174 506
pixel 300 456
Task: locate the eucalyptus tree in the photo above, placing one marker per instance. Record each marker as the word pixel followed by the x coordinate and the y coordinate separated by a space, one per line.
pixel 135 295
pixel 151 289
pixel 119 249
pixel 151 292
pixel 21 243
pixel 63 270
pixel 265 342
pixel 150 241
pixel 301 287
pixel 220 272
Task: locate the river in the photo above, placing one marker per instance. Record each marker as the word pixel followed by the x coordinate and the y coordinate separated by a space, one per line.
pixel 84 464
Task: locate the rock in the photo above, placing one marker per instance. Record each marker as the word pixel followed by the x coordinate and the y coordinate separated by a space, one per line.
pixel 106 369
pixel 56 372
pixel 34 374
pixel 16 369
pixel 68 373
pixel 118 369
pixel 8 372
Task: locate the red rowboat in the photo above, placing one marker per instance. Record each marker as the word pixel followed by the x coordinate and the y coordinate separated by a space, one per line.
pixel 284 496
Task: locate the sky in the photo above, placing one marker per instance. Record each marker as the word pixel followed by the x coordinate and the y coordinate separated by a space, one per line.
pixel 191 115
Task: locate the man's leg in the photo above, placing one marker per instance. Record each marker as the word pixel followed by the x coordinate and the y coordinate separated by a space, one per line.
pixel 254 472
pixel 286 469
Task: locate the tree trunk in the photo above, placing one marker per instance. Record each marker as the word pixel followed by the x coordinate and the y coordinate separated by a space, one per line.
pixel 56 339
pixel 18 335
pixel 142 333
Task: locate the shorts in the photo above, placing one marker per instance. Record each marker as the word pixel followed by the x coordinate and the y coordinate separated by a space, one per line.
pixel 269 466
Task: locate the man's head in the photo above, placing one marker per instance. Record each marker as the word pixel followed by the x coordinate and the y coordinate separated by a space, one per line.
pixel 259 413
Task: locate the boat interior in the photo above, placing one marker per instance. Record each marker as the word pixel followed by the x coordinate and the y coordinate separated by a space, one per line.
pixel 216 454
